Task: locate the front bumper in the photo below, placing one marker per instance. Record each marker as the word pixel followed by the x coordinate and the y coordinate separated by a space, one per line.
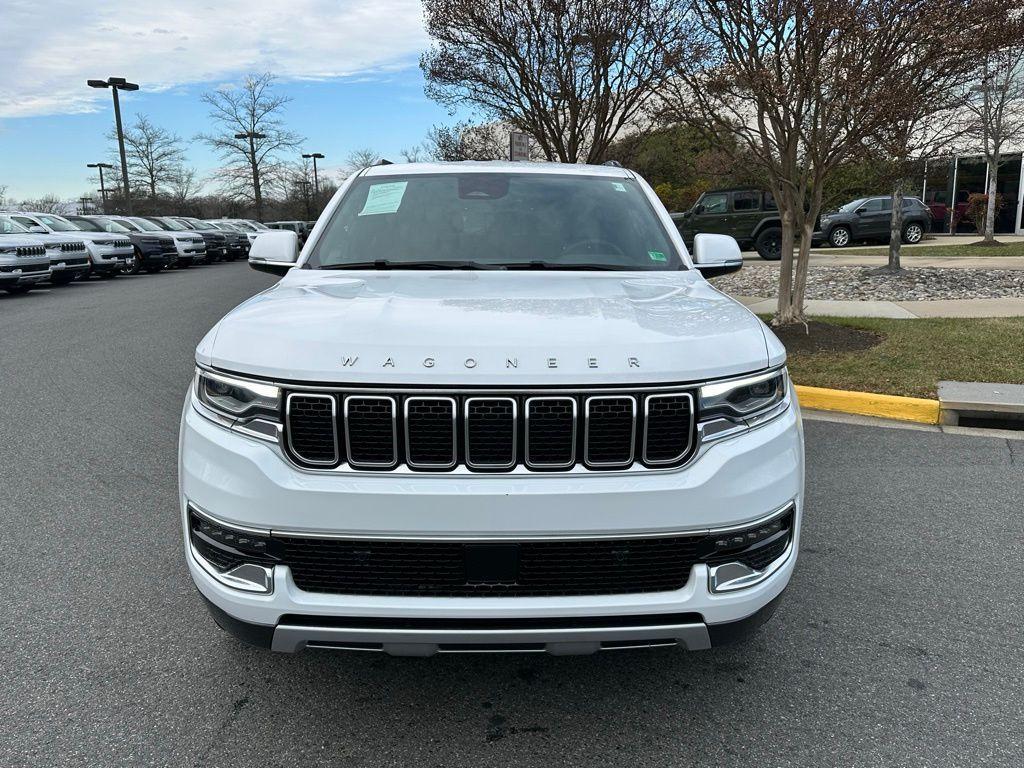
pixel 246 482
pixel 75 264
pixel 28 274
pixel 109 258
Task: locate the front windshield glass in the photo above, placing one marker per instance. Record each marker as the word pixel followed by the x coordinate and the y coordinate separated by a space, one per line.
pixel 129 226
pixel 161 224
pixel 57 224
pixel 9 226
pixel 850 207
pixel 147 225
pixel 86 225
pixel 526 220
pixel 181 223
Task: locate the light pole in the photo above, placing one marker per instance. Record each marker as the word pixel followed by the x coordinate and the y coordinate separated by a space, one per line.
pixel 116 84
pixel 103 189
pixel 316 179
pixel 252 136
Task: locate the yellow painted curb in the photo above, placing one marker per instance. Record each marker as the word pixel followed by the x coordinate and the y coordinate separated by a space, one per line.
pixel 870 404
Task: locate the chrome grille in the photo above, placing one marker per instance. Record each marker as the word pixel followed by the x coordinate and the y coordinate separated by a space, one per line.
pixel 491 432
pixel 31 250
pixel 371 439
pixel 71 247
pixel 484 432
pixel 313 428
pixel 610 426
pixel 430 437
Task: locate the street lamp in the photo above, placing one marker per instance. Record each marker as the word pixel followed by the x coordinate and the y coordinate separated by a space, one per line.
pixel 316 179
pixel 116 84
pixel 103 189
pixel 252 136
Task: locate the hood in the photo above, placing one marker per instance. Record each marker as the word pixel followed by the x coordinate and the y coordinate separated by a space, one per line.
pixel 92 236
pixel 488 328
pixel 23 241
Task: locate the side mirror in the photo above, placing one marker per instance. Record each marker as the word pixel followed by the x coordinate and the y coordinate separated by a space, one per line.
pixel 860 210
pixel 716 255
pixel 37 230
pixel 274 252
pixel 698 209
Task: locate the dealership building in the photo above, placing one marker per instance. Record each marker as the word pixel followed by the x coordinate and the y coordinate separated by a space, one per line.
pixel 951 181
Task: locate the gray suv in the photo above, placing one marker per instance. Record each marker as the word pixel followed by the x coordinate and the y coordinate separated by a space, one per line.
pixel 868 218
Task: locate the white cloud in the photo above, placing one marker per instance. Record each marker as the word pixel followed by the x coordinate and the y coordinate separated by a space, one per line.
pixel 52 47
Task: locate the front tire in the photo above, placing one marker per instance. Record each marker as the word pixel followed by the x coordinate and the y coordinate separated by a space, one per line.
pixel 134 266
pixel 913 233
pixel 769 245
pixel 839 237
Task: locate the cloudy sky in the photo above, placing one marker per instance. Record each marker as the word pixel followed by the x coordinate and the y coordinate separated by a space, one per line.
pixel 351 67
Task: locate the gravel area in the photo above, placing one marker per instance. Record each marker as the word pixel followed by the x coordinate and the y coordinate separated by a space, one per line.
pixel 867 283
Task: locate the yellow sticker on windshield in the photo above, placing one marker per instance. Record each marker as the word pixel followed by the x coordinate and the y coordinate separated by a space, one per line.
pixel 383 198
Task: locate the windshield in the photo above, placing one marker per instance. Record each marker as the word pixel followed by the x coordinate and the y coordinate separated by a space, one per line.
pixel 129 226
pixel 97 225
pixel 147 226
pixel 11 227
pixel 57 224
pixel 528 220
pixel 851 207
pixel 180 223
pixel 161 224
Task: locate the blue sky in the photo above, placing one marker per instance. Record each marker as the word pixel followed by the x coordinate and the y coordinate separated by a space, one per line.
pixel 351 68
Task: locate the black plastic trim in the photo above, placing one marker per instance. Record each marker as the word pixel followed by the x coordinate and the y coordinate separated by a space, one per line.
pixel 259 635
pixel 742 630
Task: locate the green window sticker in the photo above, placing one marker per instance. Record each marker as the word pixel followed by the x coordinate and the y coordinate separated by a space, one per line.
pixel 383 198
pixel 619 187
pixel 657 256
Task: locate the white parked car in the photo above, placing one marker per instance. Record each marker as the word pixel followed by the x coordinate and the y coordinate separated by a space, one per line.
pixel 491 407
pixel 23 263
pixel 67 254
pixel 108 252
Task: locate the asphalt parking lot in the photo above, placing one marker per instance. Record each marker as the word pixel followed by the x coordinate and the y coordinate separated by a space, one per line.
pixel 900 641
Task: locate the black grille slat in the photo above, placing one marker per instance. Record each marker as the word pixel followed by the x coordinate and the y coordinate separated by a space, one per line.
pixel 668 423
pixel 312 428
pixel 430 428
pixel 610 430
pixel 370 431
pixel 437 569
pixel 551 432
pixel 491 432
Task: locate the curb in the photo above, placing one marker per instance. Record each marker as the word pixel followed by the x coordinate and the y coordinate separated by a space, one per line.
pixel 915 409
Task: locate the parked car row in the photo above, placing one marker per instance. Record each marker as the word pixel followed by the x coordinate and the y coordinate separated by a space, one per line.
pixel 752 218
pixel 37 247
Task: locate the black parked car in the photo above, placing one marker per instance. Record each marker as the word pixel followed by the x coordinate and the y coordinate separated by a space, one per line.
pixel 868 218
pixel 216 241
pixel 748 215
pixel 153 251
pixel 236 244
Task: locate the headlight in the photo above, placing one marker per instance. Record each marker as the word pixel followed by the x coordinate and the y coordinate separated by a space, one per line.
pixel 237 399
pixel 730 406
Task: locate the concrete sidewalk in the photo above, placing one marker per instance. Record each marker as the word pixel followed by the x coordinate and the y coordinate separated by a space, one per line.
pixel 902 310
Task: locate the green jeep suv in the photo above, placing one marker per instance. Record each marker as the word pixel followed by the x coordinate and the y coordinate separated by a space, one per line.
pixel 749 215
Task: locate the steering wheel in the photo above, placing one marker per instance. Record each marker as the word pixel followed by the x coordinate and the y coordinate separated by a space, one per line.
pixel 592 241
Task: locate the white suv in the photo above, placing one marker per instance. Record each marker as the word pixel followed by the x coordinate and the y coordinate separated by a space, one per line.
pixel 492 407
pixel 108 253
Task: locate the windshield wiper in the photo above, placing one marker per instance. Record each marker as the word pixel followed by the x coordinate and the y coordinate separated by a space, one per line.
pixel 435 264
pixel 539 265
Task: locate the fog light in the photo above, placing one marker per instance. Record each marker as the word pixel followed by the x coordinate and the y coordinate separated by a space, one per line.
pixel 240 559
pixel 745 557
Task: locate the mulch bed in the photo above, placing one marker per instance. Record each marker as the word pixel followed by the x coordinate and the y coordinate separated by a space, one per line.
pixel 818 337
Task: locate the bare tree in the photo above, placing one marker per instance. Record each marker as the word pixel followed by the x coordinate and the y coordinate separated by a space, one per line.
pixel 251 136
pixel 46 204
pixel 154 154
pixel 358 159
pixel 799 86
pixel 996 112
pixel 3 197
pixel 466 141
pixel 571 73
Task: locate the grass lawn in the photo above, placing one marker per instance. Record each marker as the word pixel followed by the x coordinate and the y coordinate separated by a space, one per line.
pixel 906 357
pixel 932 251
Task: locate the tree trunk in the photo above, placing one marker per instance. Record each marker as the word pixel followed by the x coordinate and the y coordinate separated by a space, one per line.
pixel 803 263
pixel 990 208
pixel 784 314
pixel 896 226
